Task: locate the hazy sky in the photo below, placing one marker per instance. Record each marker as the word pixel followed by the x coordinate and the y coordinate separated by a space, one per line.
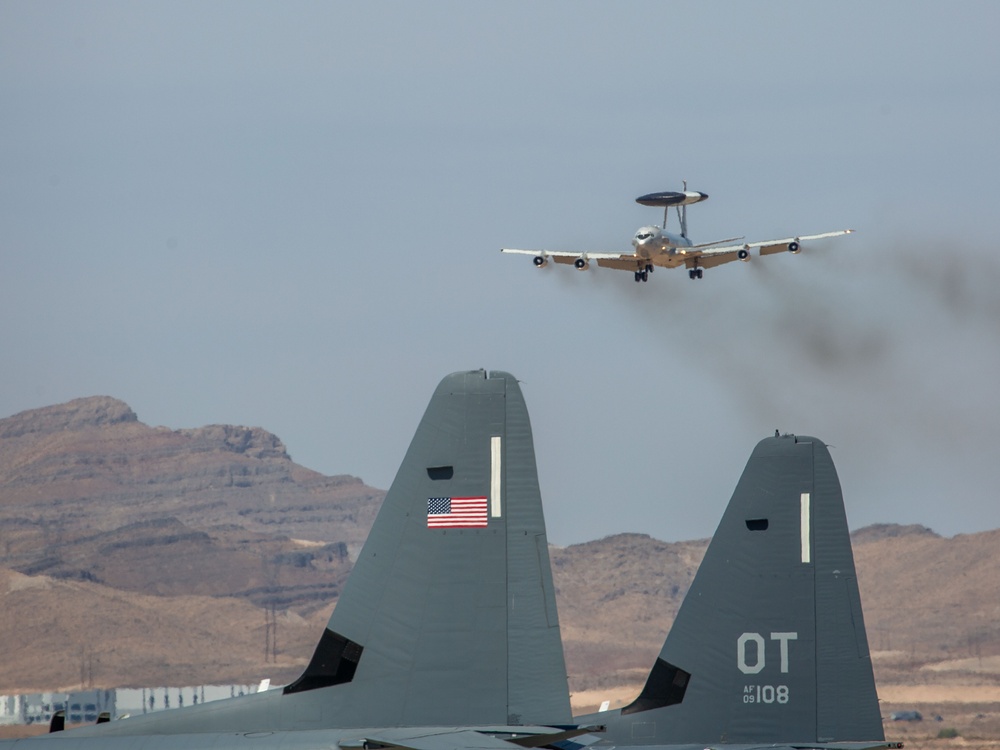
pixel 289 215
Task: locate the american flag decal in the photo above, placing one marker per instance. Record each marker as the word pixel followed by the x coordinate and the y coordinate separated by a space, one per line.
pixel 456 512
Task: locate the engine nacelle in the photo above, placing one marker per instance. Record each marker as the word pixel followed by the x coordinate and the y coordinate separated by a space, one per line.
pixel 743 254
pixel 581 264
pixel 793 248
pixel 540 261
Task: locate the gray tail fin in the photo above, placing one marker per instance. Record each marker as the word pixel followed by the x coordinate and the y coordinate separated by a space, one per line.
pixel 449 615
pixel 769 644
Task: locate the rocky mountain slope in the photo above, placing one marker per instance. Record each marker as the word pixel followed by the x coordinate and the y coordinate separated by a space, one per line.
pixel 87 492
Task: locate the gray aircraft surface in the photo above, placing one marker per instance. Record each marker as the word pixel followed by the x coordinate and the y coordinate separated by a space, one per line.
pixel 655 246
pixel 769 645
pixel 446 635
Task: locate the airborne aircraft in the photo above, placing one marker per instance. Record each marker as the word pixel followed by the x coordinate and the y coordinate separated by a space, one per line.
pixel 446 635
pixel 769 645
pixel 655 246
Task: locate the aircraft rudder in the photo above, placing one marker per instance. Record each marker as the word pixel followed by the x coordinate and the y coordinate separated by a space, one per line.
pixel 760 636
pixel 537 670
pixel 459 538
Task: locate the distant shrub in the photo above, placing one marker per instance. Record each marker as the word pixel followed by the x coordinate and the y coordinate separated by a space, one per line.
pixel 947 733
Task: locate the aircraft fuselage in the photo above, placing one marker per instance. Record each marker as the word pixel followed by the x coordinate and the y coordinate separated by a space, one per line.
pixel 651 241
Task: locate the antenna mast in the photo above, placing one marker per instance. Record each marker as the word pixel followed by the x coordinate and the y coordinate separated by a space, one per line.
pixel 682 214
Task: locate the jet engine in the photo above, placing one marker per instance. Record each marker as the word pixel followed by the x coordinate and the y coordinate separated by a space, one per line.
pixel 581 264
pixel 793 247
pixel 743 254
pixel 540 261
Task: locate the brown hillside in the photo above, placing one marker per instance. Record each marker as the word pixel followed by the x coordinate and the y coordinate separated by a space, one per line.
pixel 90 465
pixel 932 606
pixel 64 634
pixel 617 597
pixel 87 492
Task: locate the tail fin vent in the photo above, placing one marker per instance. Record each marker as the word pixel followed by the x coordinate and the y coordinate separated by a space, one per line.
pixel 757 524
pixel 58 722
pixel 333 663
pixel 665 686
pixel 438 473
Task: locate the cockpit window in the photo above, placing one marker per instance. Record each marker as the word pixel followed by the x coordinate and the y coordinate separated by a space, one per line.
pixel 644 235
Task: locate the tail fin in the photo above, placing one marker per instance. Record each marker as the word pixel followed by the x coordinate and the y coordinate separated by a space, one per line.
pixel 452 609
pixel 769 644
pixel 449 615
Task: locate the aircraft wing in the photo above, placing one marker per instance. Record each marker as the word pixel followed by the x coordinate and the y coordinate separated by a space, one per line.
pixel 716 256
pixel 768 247
pixel 473 738
pixel 873 745
pixel 563 256
pixel 877 745
pixel 456 739
pixel 621 262
pixel 710 244
pixel 777 246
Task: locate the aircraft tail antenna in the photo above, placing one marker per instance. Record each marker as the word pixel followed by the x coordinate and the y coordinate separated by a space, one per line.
pixel 682 214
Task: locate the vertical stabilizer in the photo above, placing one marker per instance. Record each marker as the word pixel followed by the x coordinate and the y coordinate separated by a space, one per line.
pixel 449 615
pixel 769 645
pixel 452 597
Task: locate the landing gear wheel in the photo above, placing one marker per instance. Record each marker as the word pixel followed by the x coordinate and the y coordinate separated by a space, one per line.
pixel 700 272
pixel 638 276
pixel 649 268
pixel 693 273
pixel 644 275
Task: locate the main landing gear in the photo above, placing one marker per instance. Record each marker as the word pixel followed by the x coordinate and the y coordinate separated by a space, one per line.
pixel 643 275
pixel 695 273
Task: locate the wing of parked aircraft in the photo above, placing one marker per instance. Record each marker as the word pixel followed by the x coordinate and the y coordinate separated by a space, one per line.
pixel 769 645
pixel 385 738
pixel 449 615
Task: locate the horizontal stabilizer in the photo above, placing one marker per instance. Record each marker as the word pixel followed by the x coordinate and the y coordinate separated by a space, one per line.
pixel 456 739
pixel 472 738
